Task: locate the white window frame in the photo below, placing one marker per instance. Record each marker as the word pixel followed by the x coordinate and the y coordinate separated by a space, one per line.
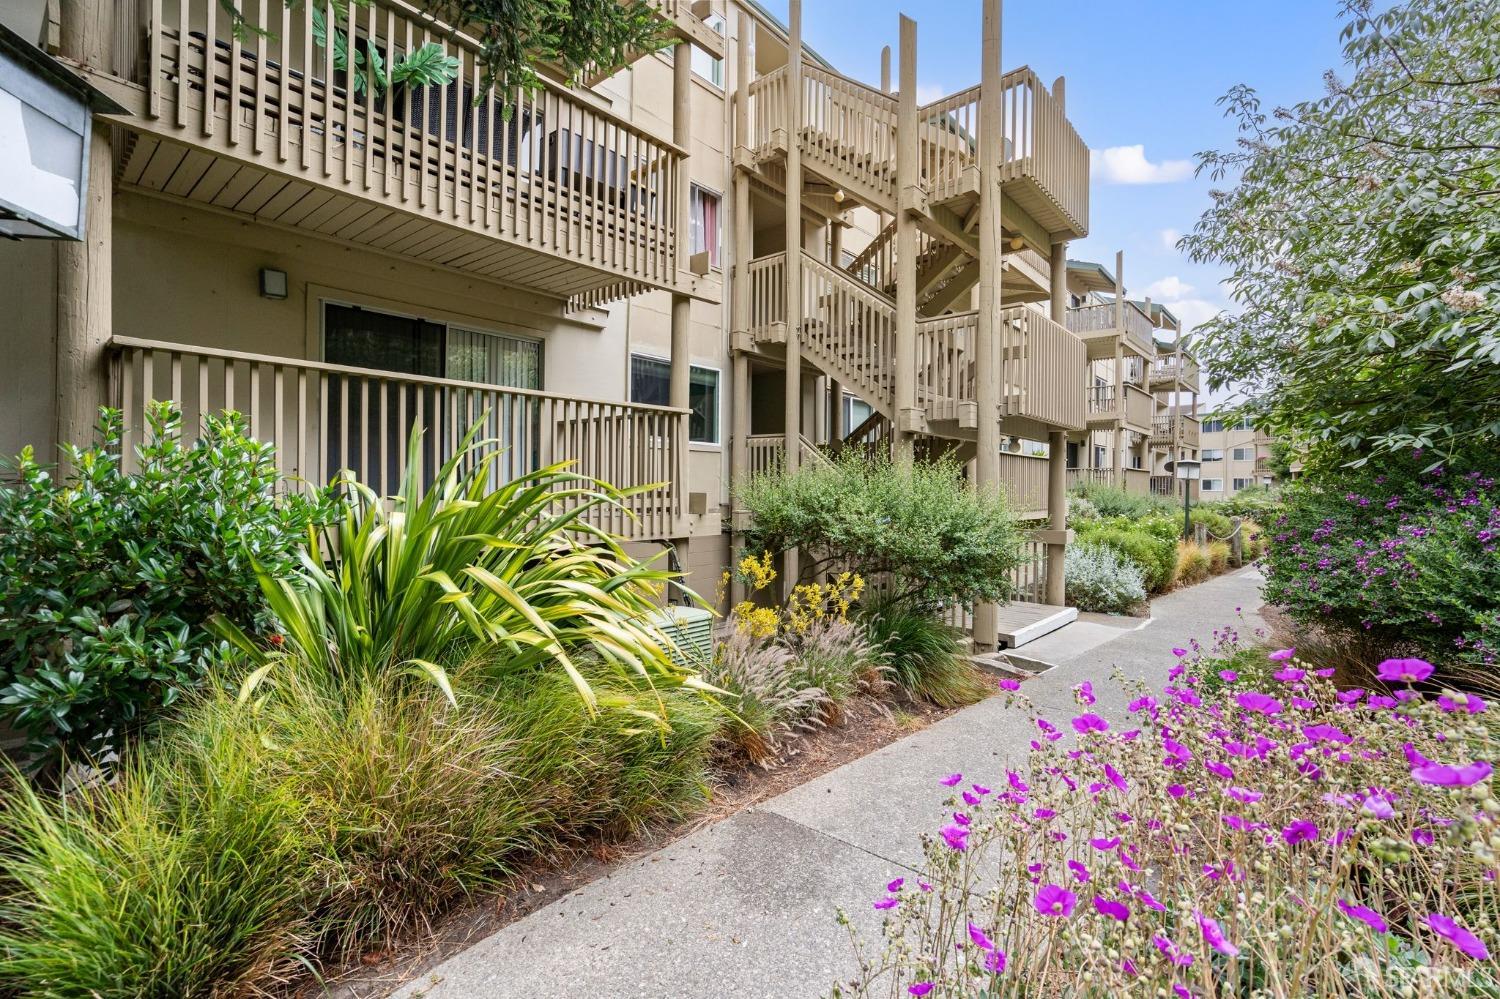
pixel 717 443
pixel 714 22
pixel 1212 485
pixel 1243 454
pixel 716 252
pixel 1240 484
pixel 1213 454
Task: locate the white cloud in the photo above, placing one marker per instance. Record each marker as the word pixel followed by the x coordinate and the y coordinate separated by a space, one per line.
pixel 1169 238
pixel 1128 165
pixel 1169 287
pixel 1192 311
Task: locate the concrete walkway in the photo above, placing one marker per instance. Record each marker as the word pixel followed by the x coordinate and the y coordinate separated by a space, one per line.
pixel 745 908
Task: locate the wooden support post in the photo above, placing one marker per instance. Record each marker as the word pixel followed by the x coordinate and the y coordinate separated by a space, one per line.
pixel 682 135
pixel 837 429
pixel 1057 452
pixel 908 419
pixel 1115 460
pixel 885 69
pixel 739 320
pixel 992 339
pixel 84 269
pixel 792 417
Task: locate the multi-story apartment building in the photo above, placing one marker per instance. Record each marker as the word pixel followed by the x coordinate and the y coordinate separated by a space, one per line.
pixel 1142 391
pixel 1235 457
pixel 720 256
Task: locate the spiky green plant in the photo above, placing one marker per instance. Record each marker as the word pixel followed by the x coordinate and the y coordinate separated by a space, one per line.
pixel 440 570
pixel 924 656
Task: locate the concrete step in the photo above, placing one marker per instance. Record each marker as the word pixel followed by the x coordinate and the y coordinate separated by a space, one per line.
pixel 1022 622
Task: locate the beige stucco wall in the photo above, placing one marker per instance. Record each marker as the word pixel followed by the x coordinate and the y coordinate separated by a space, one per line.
pixel 1228 469
pixel 28 323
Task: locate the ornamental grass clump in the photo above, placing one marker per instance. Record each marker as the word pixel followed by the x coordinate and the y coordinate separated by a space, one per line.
pixel 1277 837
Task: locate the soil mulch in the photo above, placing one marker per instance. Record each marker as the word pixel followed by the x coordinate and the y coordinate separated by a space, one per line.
pixel 868 725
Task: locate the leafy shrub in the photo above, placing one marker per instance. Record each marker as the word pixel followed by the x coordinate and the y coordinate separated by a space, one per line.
pixel 1113 501
pixel 442 570
pixel 1151 544
pixel 1081 508
pixel 924 656
pixel 1410 557
pixel 1256 503
pixel 1100 579
pixel 1218 524
pixel 940 540
pixel 1157 855
pixel 107 577
pixel 1193 562
pixel 766 694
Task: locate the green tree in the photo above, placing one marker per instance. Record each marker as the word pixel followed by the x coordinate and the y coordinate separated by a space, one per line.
pixel 1362 239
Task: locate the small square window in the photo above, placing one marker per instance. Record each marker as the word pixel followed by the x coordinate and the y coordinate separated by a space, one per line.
pixel 651 384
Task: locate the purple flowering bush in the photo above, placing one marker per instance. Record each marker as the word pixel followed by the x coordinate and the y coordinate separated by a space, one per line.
pixel 1409 558
pixel 1274 836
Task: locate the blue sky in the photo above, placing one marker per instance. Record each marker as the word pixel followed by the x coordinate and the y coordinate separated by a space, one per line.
pixel 1141 73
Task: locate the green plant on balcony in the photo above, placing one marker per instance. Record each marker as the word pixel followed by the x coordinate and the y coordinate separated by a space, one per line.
pixel 428 66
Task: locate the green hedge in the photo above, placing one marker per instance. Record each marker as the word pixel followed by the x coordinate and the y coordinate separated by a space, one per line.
pixel 1150 543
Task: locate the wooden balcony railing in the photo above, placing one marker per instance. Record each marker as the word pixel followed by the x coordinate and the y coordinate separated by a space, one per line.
pixel 1140 408
pixel 1175 368
pixel 1164 485
pixel 1091 476
pixel 543 170
pixel 765 451
pixel 1024 478
pixel 1040 143
pixel 1101 399
pixel 1137 481
pixel 849 128
pixel 327 417
pixel 1039 365
pixel 1184 430
pixel 1100 318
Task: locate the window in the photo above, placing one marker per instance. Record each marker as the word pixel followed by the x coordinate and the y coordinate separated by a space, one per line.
pixel 1213 426
pixel 651 384
pixel 856 412
pixel 1241 484
pixel 1213 485
pixel 1072 458
pixel 1243 424
pixel 1213 454
pixel 705 65
pixel 1244 454
pixel 368 338
pixel 703 223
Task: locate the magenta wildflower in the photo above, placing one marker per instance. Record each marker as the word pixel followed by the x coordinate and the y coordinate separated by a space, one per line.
pixel 970 798
pixel 1464 940
pixel 895 885
pixel 1044 813
pixel 887 903
pixel 1079 871
pixel 981 941
pixel 1378 806
pixel 1179 653
pixel 1008 684
pixel 1089 722
pixel 1055 900
pixel 1244 795
pixel 1404 670
pixel 956 836
pixel 1281 655
pixel 1289 674
pixel 1299 831
pixel 1254 700
pixel 1350 696
pixel 1111 908
pixel 1219 769
pixel 1173 952
pixel 981 790
pixel 1228 675
pixel 994 961
pixel 1015 781
pixel 1442 775
pixel 1423 837
pixel 919 989
pixel 1365 915
pixel 1472 703
pixel 951 780
pixel 1214 936
pixel 1116 779
pixel 1085 692
pixel 1103 843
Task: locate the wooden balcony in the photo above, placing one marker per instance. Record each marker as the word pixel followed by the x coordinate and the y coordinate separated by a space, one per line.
pixel 544 190
pixel 1183 431
pixel 1039 366
pixel 1175 370
pixel 1101 324
pixel 1133 480
pixel 848 137
pixel 327 417
pixel 1105 411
